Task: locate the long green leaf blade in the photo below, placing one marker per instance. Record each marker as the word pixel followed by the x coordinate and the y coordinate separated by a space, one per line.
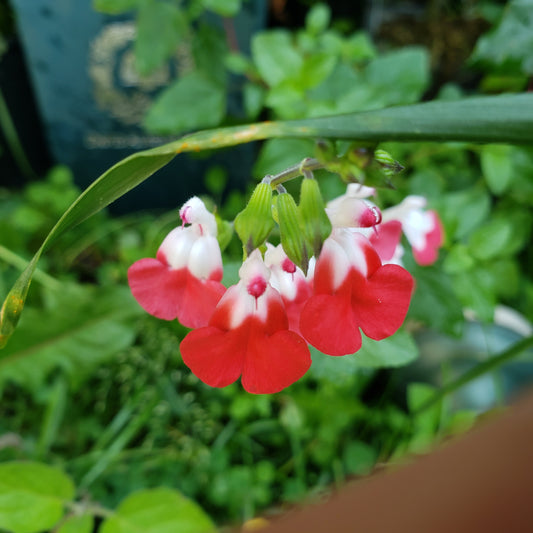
pixel 497 119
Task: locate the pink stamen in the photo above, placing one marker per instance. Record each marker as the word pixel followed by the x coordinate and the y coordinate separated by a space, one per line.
pixel 288 266
pixel 257 286
pixel 184 213
pixel 370 217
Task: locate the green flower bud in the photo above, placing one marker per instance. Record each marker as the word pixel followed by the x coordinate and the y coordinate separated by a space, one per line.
pixel 388 164
pixel 316 226
pixel 290 229
pixel 254 223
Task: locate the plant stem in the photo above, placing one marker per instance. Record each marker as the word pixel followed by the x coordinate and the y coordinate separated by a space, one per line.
pixel 290 173
pixel 480 369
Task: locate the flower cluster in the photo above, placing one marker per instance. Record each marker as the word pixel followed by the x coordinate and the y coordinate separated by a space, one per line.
pixel 260 328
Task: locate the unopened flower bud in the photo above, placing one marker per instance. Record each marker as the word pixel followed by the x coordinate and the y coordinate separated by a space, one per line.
pixel 292 239
pixel 316 226
pixel 388 164
pixel 352 210
pixel 254 223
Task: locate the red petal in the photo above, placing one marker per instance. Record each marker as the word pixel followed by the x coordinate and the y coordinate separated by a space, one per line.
pixel 199 300
pixel 294 307
pixel 168 294
pixel 380 303
pixel 215 356
pixel 387 239
pixel 274 362
pixel 268 363
pixel 327 322
pixel 158 289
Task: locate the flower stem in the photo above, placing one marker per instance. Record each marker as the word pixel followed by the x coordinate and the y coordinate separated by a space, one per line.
pixel 307 165
pixel 480 369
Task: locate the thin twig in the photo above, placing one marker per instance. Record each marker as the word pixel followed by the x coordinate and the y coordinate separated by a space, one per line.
pixel 480 369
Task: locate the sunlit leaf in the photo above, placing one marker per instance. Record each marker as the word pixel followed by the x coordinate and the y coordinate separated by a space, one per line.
pixel 158 511
pixel 32 496
pixel 77 524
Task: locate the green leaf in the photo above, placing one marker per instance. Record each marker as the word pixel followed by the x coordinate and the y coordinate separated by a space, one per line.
pixel 278 154
pixel 338 370
pixel 397 350
pixel 192 102
pixel 83 327
pixel 317 19
pixel 491 240
pixel 426 423
pixel 505 234
pixel 275 57
pixel 77 524
pixel 254 98
pixel 463 211
pixel 316 69
pixel 32 496
pixel 510 45
pixel 500 119
pixel 209 49
pixel 400 76
pixel 474 290
pixel 497 167
pixel 158 511
pixel 114 7
pixel 224 8
pixel 160 28
pixel 359 458
pixel 434 302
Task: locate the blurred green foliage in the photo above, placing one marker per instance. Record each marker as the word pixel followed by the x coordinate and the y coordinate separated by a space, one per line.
pixel 92 384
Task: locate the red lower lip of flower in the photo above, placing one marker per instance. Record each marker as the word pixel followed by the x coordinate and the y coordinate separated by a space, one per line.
pixel 268 363
pixel 169 294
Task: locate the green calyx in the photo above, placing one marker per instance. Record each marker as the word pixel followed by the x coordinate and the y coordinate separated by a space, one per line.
pixel 290 228
pixel 254 223
pixel 316 226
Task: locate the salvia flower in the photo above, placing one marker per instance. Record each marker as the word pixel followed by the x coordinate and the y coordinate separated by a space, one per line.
pixel 353 210
pixel 248 335
pixel 289 280
pixel 183 281
pixel 353 291
pixel 422 227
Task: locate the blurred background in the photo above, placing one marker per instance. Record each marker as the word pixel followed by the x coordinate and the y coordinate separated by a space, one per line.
pixel 91 383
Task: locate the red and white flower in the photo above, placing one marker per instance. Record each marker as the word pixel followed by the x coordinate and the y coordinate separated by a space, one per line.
pixel 183 281
pixel 422 228
pixel 353 210
pixel 248 335
pixel 290 281
pixel 353 291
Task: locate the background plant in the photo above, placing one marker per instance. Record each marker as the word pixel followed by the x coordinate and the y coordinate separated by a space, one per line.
pixel 90 384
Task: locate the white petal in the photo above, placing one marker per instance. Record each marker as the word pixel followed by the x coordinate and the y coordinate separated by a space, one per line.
pixel 177 245
pixel 204 257
pixel 194 211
